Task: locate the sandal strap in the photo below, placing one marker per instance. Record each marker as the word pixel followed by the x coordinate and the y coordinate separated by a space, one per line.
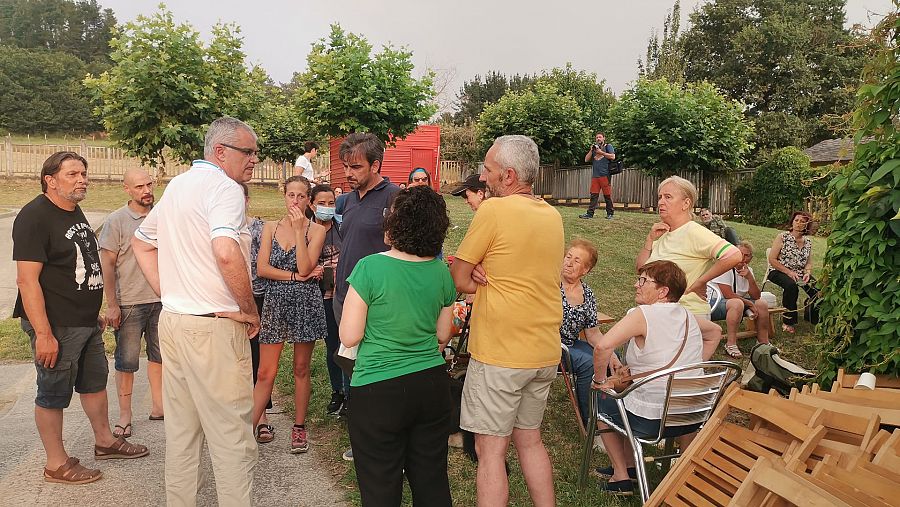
pixel 122 446
pixel 71 470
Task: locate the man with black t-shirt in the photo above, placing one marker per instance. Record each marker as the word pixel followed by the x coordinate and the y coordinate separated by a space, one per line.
pixel 60 292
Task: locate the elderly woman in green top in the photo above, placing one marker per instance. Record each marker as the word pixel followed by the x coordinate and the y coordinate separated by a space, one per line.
pixel 398 310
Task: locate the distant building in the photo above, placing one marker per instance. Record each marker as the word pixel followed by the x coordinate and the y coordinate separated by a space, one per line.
pixel 830 151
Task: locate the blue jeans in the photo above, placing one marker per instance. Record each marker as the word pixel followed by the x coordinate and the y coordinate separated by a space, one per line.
pixel 137 320
pixel 582 355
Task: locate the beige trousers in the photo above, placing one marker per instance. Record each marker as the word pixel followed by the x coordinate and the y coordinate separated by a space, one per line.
pixel 207 394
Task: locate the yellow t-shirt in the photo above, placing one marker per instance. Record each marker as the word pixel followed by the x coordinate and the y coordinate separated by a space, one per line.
pixel 694 249
pixel 516 316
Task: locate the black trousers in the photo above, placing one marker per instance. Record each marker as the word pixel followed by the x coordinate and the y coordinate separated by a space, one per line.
pixel 399 426
pixel 254 345
pixel 791 291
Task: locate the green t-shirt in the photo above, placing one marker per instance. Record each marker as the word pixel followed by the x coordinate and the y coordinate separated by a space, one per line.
pixel 404 300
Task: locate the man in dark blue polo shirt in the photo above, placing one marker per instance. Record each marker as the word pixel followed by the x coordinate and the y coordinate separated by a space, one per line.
pixel 363 211
pixel 600 154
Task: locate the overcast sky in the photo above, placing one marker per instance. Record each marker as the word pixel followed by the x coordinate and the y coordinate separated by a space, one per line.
pixel 457 38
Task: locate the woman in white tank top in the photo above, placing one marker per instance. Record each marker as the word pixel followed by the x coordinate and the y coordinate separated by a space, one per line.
pixel 654 333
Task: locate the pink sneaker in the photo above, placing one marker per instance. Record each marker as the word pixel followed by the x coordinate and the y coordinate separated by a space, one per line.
pixel 299 442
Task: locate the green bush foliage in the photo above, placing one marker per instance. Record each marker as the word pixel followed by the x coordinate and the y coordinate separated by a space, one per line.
pixel 663 127
pixel 347 89
pixel 166 87
pixel 552 119
pixel 779 187
pixel 860 326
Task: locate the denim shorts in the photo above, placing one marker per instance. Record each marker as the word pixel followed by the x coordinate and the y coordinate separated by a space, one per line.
pixel 719 311
pixel 137 320
pixel 80 365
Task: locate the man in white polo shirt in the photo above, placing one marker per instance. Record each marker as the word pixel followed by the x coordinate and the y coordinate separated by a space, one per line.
pixel 194 248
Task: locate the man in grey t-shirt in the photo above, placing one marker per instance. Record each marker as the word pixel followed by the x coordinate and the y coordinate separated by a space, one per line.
pixel 132 308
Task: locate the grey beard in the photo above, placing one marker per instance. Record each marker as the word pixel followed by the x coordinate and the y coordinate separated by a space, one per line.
pixel 75 197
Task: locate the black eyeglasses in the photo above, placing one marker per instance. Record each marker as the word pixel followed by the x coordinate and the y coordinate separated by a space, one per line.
pixel 250 152
pixel 643 279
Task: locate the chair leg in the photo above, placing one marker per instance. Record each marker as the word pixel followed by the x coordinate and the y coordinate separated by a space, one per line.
pixel 669 450
pixel 588 450
pixel 641 469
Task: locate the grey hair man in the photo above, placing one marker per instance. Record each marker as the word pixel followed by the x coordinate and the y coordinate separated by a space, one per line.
pixel 193 248
pixel 511 259
pixel 60 291
pixel 132 308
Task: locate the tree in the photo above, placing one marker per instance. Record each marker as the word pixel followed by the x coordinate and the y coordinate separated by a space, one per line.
pixel 41 91
pixel 280 131
pixel 777 56
pixel 166 86
pixel 478 93
pixel 79 28
pixel 461 143
pixel 860 310
pixel 591 95
pixel 347 89
pixel 779 186
pixel 552 119
pixel 663 127
pixel 665 60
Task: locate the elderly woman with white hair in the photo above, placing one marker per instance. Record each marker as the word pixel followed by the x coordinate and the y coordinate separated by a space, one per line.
pixel 701 253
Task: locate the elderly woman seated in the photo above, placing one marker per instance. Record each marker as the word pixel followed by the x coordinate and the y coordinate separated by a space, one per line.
pixel 580 314
pixel 654 333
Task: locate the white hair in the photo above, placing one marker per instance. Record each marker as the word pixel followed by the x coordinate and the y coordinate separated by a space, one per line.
pixel 224 131
pixel 519 153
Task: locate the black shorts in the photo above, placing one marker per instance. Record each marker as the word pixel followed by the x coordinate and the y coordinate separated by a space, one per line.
pixel 80 365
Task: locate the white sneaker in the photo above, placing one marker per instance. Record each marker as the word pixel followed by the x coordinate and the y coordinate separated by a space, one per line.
pixel 348 455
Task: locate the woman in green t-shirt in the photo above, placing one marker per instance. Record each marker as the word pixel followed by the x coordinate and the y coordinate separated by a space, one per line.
pixel 398 310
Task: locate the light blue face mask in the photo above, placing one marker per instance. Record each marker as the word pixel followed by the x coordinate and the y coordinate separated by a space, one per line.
pixel 324 213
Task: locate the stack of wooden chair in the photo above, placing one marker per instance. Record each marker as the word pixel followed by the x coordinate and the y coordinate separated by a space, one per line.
pixel 813 448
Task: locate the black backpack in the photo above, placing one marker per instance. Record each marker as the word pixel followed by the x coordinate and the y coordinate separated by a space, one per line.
pixel 615 166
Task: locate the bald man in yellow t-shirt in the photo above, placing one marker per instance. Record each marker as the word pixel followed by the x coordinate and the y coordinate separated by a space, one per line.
pixel 511 259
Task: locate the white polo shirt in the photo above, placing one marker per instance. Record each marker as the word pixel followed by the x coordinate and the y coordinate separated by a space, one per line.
pixel 198 206
pixel 304 163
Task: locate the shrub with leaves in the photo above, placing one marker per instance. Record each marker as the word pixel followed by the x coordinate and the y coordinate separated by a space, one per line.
pixel 553 120
pixel 347 89
pixel 166 87
pixel 663 127
pixel 779 186
pixel 860 313
pixel 460 143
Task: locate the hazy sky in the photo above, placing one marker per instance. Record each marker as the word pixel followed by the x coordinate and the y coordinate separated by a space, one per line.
pixel 456 38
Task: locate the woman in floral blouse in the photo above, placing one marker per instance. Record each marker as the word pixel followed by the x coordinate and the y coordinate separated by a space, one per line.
pixel 579 314
pixel 791 258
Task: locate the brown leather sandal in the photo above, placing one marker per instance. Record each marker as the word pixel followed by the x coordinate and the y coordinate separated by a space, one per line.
pixel 71 472
pixel 121 449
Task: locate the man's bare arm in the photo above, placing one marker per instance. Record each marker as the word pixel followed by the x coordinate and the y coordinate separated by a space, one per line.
pixel 147 257
pixel 108 262
pixel 461 271
pixel 27 280
pixel 233 267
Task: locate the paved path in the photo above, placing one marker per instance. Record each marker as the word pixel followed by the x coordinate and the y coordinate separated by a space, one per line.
pixel 281 478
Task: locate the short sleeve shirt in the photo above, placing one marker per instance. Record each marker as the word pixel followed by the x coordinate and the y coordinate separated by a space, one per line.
pixel 600 167
pixel 304 162
pixel 198 206
pixel 71 279
pixel 404 299
pixel 516 316
pixel 739 285
pixel 361 230
pixel 132 287
pixel 579 317
pixel 694 249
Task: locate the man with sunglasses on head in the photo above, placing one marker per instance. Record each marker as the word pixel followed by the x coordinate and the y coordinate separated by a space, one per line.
pixel 194 249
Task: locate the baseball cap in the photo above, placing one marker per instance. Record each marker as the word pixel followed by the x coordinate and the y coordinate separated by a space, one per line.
pixel 471 183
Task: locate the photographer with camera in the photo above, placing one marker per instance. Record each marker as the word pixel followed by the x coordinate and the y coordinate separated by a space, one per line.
pixel 600 154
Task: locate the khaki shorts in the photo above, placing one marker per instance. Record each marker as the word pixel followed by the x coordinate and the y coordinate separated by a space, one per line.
pixel 495 399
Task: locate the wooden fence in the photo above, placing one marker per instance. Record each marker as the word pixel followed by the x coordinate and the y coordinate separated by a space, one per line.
pixel 109 163
pixel 631 188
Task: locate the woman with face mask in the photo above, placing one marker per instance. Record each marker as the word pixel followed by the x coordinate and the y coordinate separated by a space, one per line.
pixel 321 204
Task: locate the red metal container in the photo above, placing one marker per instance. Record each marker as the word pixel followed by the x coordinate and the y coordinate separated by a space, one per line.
pixel 419 149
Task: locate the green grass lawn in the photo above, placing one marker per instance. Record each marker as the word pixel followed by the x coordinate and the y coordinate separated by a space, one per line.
pixel 618 241
pixel 58 139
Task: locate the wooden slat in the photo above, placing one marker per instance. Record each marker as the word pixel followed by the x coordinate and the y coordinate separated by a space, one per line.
pixel 710 493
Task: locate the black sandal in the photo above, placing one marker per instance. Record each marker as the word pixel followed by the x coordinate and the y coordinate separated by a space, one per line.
pixel 126 431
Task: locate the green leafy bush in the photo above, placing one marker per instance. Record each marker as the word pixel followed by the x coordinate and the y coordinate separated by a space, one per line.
pixel 779 186
pixel 663 127
pixel 860 312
